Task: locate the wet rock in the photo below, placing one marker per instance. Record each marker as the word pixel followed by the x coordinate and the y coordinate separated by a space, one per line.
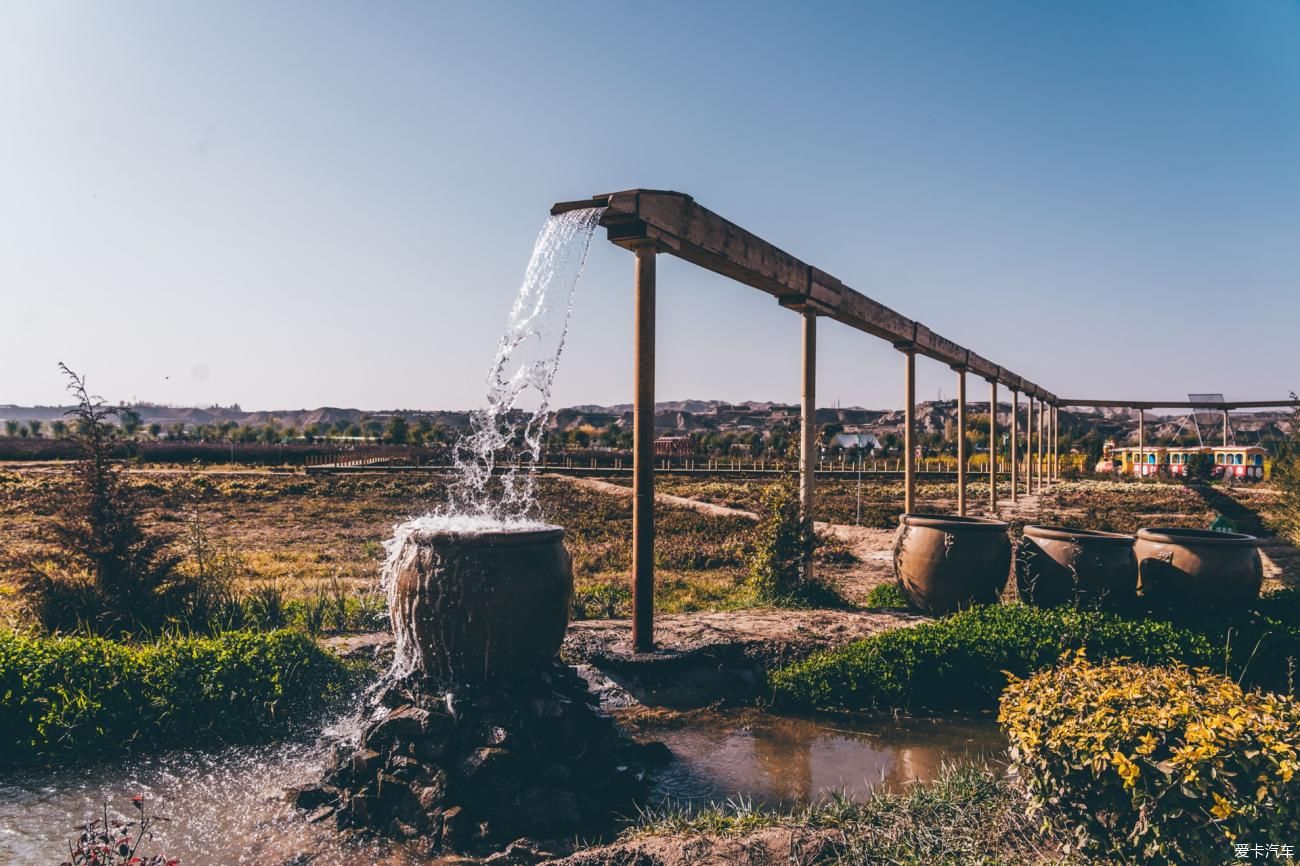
pixel 312 796
pixel 552 811
pixel 320 813
pixel 526 852
pixel 480 762
pixel 364 763
pixel 528 758
pixel 405 722
pixel 457 828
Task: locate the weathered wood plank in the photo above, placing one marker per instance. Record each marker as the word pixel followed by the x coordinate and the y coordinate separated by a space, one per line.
pixel 938 347
pixel 1179 404
pixel 682 227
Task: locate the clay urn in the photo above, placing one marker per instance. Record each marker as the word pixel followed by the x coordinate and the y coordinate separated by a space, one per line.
pixel 1067 565
pixel 945 563
pixel 1198 568
pixel 476 607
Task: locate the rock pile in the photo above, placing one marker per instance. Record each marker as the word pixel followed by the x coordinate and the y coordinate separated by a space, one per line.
pixel 469 772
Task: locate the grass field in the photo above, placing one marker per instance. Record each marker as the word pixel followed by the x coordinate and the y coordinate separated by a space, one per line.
pixel 301 532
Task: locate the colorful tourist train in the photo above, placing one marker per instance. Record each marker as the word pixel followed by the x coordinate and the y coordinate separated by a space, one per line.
pixel 1236 461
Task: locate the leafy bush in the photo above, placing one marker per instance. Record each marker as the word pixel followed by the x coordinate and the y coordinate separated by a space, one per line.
pixel 1200 467
pixel 784 544
pixel 887 595
pixel 1286 475
pixel 77 694
pixel 1156 764
pixel 961 661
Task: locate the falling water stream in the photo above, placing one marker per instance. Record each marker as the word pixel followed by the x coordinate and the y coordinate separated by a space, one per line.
pixel 495 462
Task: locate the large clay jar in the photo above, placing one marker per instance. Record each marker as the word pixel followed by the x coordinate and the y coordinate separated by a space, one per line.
pixel 1063 565
pixel 1198 568
pixel 945 563
pixel 473 608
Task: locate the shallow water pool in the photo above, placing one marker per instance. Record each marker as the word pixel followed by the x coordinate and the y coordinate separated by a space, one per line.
pixel 229 806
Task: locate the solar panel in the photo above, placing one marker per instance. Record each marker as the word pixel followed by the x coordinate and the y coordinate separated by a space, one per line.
pixel 1210 416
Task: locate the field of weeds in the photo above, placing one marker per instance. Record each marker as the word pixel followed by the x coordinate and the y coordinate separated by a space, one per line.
pixel 300 535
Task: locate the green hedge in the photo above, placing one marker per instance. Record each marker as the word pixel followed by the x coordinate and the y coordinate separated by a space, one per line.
pixel 74 695
pixel 961 661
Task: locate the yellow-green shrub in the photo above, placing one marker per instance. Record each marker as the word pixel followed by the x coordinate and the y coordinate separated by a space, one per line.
pixel 1156 764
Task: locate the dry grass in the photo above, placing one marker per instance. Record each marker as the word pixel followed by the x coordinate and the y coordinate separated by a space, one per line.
pixel 304 534
pixel 970 814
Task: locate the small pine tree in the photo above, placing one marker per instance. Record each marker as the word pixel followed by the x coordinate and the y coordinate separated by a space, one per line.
pixel 107 573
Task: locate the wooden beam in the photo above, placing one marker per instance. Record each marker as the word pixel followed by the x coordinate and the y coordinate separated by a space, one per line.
pixel 680 226
pixel 1179 404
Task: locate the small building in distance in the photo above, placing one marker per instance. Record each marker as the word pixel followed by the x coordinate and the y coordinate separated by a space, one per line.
pixel 865 441
pixel 674 446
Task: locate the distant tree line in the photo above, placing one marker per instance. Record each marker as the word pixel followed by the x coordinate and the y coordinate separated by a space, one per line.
pixel 396 430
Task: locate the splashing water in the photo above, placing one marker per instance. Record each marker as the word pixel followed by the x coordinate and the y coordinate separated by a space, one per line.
pixel 525 366
pixel 502 434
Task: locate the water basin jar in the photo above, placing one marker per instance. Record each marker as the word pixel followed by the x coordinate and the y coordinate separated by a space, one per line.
pixel 1067 565
pixel 945 563
pixel 472 608
pixel 1198 568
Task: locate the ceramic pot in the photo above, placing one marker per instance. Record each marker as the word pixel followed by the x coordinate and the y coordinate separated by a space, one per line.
pixel 945 563
pixel 1065 565
pixel 1198 568
pixel 474 608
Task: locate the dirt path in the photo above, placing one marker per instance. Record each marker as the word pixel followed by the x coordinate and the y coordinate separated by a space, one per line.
pixel 664 498
pixel 872 548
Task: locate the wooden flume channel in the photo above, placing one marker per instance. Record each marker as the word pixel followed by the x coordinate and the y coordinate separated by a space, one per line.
pixel 650 222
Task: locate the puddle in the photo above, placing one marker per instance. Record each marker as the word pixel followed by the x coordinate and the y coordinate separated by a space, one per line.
pixel 224 807
pixel 779 759
pixel 228 806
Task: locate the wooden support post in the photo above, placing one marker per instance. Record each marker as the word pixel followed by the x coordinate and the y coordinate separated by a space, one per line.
pixel 808 426
pixel 1029 446
pixel 1056 443
pixel 1051 444
pixel 1015 433
pixel 1142 443
pixel 961 440
pixel 1042 405
pixel 643 436
pixel 1225 428
pixel 993 447
pixel 909 428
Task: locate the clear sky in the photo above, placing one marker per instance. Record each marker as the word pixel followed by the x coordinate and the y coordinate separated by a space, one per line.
pixel 300 204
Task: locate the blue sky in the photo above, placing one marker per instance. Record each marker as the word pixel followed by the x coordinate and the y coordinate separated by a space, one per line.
pixel 300 204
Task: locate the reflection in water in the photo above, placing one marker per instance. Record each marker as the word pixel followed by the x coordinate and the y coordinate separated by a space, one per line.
pixel 228 807
pixel 225 807
pixel 775 759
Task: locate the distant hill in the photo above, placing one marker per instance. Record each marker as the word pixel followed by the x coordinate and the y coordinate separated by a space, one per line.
pixel 698 416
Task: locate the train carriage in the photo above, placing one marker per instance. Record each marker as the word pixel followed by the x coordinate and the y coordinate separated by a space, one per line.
pixel 1245 462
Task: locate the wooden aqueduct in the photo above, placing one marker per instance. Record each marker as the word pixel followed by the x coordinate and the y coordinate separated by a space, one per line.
pixel 650 222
